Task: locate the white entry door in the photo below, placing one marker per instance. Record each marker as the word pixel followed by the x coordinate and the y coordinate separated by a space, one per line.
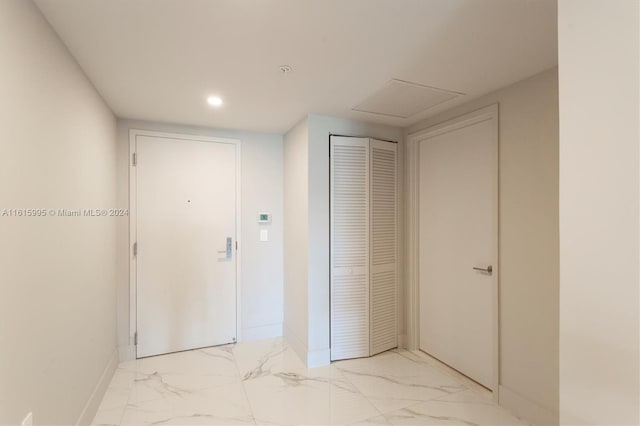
pixel 458 244
pixel 186 243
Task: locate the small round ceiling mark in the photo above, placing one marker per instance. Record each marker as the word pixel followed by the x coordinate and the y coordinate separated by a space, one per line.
pixel 285 69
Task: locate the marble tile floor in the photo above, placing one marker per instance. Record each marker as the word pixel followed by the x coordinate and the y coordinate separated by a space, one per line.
pixel 265 383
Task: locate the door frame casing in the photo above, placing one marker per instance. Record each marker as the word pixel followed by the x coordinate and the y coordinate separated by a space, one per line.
pixel 133 267
pixel 490 112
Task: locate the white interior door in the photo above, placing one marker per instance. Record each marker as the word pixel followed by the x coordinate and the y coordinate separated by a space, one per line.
pixel 384 261
pixel 363 247
pixel 186 235
pixel 458 231
pixel 349 247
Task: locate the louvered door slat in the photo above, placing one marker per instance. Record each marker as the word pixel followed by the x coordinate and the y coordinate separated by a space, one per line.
pixel 383 234
pixel 349 248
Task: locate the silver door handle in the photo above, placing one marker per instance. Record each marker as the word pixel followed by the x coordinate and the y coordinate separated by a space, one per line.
pixel 487 270
pixel 229 248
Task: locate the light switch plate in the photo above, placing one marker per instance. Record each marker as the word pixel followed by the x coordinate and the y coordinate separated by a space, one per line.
pixel 264 235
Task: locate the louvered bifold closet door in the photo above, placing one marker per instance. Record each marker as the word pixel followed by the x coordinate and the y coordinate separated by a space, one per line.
pixel 349 247
pixel 384 261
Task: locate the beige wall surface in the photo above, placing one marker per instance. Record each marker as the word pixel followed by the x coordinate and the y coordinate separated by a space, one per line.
pixel 296 205
pixel 57 274
pixel 599 62
pixel 528 241
pixel 261 266
pixel 306 187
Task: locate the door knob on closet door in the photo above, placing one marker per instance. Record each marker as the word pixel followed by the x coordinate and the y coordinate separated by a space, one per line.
pixel 487 270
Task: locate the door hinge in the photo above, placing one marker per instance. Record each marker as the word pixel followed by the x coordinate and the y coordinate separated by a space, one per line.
pixel 135 339
pixel 135 248
pixel 134 159
pixel 236 245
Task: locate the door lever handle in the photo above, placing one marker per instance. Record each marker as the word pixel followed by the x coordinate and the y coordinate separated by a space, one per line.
pixel 229 248
pixel 487 270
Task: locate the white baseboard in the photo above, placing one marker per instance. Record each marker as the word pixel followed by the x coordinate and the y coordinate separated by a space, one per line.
pixel 318 358
pixel 261 332
pixel 298 345
pixel 127 353
pixel 91 407
pixel 402 341
pixel 526 409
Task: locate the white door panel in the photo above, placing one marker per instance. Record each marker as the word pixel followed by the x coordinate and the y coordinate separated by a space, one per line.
pixel 186 210
pixel 384 328
pixel 363 247
pixel 349 247
pixel 458 211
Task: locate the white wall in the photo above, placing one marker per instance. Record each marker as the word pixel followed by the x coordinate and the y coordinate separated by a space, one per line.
pixel 262 262
pixel 296 234
pixel 528 242
pixel 320 127
pixel 57 274
pixel 599 196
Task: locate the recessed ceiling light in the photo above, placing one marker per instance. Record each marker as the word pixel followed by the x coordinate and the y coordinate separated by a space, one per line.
pixel 285 69
pixel 214 101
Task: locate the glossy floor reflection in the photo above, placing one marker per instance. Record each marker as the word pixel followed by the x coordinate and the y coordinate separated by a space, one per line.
pixel 265 383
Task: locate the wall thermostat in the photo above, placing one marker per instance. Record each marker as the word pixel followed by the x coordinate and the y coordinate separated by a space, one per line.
pixel 264 217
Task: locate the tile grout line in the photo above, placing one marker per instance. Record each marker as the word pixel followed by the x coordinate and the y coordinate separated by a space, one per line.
pixel 439 366
pixel 344 374
pixel 110 387
pixel 384 413
pixel 244 390
pixel 199 389
pixel 130 388
pixel 426 359
pixel 237 379
pixel 412 363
